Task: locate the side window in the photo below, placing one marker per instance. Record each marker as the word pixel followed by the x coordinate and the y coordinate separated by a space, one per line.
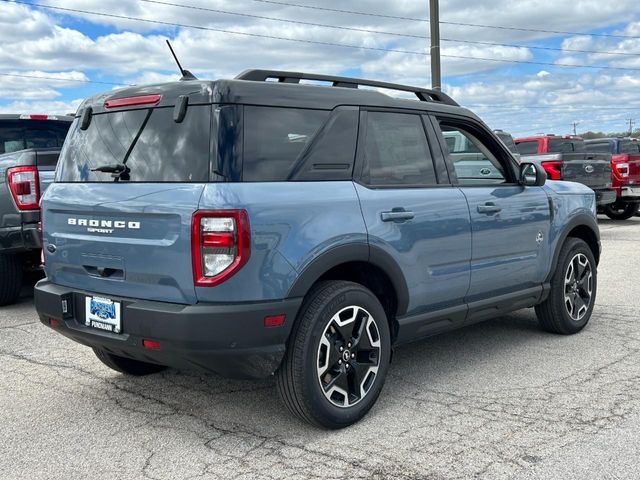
pixel 273 139
pixel 396 151
pixel 529 147
pixel 472 161
pixel 598 147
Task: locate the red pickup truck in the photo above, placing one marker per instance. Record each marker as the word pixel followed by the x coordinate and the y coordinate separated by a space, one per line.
pixel 625 173
pixel 566 158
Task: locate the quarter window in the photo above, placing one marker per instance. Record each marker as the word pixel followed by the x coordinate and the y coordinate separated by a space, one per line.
pixel 527 148
pixel 396 151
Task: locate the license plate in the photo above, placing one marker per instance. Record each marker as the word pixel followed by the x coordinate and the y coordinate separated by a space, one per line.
pixel 103 314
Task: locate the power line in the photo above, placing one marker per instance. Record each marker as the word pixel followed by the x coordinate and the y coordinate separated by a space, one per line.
pixel 316 42
pixel 380 32
pixel 413 19
pixel 60 79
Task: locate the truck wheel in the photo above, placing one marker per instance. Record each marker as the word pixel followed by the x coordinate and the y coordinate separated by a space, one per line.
pixel 570 303
pixel 10 278
pixel 337 356
pixel 621 211
pixel 128 366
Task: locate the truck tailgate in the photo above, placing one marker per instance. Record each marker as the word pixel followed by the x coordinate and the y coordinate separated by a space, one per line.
pixel 593 170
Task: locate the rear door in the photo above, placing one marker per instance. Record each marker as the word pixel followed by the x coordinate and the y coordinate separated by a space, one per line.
pixel 411 210
pixel 510 222
pixel 128 237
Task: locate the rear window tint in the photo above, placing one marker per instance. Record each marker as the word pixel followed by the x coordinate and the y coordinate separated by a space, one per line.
pixel 528 148
pixel 165 151
pixel 18 135
pixel 565 145
pixel 598 147
pixel 274 138
pixel 627 146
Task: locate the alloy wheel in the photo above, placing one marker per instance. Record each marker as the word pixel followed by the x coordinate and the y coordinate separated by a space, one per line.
pixel 578 287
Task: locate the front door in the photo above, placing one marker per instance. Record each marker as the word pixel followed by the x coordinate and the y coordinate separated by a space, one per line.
pixel 510 222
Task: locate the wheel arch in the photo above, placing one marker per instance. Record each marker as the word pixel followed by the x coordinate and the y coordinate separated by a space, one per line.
pixel 584 227
pixel 368 265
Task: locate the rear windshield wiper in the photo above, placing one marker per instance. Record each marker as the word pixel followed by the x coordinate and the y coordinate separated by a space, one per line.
pixel 119 171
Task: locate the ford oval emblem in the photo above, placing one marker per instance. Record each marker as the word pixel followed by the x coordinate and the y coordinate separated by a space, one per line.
pixel 485 171
pixel 588 168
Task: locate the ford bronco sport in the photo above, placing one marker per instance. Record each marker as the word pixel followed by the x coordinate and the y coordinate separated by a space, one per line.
pixel 29 149
pixel 262 225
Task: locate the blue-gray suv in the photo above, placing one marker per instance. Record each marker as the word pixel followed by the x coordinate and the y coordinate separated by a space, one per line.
pixel 300 225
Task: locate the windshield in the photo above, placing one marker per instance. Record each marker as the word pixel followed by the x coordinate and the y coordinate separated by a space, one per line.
pixel 18 135
pixel 154 147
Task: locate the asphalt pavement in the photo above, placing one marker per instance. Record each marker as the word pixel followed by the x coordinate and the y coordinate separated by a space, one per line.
pixel 497 400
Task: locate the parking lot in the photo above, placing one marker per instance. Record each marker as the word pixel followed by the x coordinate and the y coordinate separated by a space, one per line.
pixel 500 399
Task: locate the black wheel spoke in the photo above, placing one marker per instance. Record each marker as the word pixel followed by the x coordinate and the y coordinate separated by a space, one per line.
pixel 339 379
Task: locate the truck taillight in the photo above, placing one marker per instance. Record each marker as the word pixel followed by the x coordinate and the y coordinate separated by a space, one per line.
pixel 620 165
pixel 220 245
pixel 25 187
pixel 553 169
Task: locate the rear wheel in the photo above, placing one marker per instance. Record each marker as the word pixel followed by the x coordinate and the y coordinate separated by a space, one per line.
pixel 10 278
pixel 337 357
pixel 570 303
pixel 128 366
pixel 621 211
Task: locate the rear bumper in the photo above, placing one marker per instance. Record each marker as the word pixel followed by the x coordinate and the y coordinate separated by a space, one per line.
pixel 22 238
pixel 229 339
pixel 630 194
pixel 605 196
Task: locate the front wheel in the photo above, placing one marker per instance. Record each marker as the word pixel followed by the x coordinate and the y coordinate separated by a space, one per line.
pixel 570 303
pixel 337 357
pixel 621 211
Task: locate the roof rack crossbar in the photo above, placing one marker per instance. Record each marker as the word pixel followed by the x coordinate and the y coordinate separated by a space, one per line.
pixel 423 94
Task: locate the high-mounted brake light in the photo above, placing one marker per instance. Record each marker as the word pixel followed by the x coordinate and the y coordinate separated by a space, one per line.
pixel 132 101
pixel 553 169
pixel 27 116
pixel 25 187
pixel 220 245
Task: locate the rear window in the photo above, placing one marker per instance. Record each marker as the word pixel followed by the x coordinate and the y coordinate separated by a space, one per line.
pixel 627 146
pixel 274 138
pixel 598 147
pixel 527 148
pixel 565 145
pixel 148 141
pixel 508 141
pixel 18 135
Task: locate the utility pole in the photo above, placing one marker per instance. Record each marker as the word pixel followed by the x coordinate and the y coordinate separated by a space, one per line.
pixel 631 124
pixel 434 19
pixel 575 124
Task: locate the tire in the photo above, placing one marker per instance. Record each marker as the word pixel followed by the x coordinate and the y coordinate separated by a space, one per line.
pixel 314 357
pixel 10 278
pixel 570 303
pixel 128 366
pixel 621 211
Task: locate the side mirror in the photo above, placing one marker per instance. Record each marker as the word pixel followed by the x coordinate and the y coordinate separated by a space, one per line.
pixel 532 175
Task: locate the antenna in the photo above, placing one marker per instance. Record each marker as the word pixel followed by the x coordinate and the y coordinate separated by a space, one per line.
pixel 186 74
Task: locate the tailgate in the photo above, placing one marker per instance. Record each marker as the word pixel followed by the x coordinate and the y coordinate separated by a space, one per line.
pixel 593 170
pixel 122 239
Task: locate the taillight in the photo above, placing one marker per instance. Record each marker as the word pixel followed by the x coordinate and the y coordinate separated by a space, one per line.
pixel 220 245
pixel 553 169
pixel 620 165
pixel 25 187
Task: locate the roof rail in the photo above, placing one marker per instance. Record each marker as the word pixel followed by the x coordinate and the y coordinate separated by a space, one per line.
pixel 424 94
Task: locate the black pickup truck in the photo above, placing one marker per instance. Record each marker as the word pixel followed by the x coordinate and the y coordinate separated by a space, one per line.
pixel 29 150
pixel 565 158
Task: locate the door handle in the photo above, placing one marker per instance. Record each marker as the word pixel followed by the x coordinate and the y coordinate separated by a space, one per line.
pixel 489 208
pixel 397 215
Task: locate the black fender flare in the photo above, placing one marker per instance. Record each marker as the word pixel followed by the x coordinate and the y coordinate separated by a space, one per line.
pixel 580 220
pixel 353 252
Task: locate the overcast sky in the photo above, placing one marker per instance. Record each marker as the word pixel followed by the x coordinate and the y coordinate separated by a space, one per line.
pixel 519 97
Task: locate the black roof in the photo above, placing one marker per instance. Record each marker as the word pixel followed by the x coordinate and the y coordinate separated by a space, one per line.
pixel 253 87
